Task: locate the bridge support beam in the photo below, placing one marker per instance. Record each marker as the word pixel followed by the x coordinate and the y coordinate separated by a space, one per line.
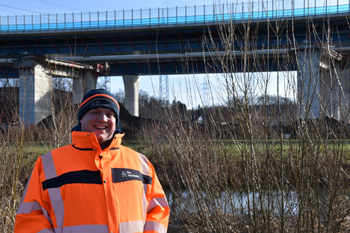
pixel 345 95
pixel 331 88
pixel 309 84
pixel 82 85
pixel 90 80
pixel 78 90
pixel 131 87
pixel 34 94
pixel 321 84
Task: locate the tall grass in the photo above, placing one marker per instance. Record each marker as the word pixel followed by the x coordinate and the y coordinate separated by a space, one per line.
pixel 257 164
pixel 285 170
pixel 21 146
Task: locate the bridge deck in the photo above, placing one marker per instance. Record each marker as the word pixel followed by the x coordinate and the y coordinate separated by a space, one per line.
pixel 166 40
pixel 163 16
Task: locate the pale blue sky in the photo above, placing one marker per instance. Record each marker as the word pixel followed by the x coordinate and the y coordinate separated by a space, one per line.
pixel 66 6
pixel 13 7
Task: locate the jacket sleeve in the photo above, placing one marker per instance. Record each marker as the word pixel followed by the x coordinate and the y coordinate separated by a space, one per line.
pixel 158 211
pixel 33 212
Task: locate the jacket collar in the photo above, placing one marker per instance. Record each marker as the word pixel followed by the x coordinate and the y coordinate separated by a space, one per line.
pixel 88 141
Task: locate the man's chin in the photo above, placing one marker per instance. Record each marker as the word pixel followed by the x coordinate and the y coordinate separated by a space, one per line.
pixel 99 137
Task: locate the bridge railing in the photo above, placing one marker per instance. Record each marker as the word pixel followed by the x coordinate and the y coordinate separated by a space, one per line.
pixel 170 16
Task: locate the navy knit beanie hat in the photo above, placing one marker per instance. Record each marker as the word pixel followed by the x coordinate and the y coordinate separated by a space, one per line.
pixel 99 98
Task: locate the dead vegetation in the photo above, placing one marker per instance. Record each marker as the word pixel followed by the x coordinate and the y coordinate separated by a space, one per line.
pixel 271 167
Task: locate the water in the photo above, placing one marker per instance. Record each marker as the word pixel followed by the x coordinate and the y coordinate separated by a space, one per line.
pixel 233 202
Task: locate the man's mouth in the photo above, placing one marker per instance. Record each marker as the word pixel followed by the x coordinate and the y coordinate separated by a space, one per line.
pixel 100 127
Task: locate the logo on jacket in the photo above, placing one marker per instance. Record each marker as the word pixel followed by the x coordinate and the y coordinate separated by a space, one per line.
pixel 129 174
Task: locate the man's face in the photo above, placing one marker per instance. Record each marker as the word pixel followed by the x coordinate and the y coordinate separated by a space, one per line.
pixel 100 121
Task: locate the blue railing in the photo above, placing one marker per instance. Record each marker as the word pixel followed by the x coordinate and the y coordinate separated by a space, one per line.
pixel 166 16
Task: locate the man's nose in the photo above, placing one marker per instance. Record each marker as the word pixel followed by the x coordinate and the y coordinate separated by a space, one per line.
pixel 102 117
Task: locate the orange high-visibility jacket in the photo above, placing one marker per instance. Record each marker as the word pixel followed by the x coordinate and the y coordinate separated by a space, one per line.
pixel 82 188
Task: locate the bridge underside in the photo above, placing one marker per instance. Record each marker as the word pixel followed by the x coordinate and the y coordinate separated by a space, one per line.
pixel 185 65
pixel 149 42
pixel 223 47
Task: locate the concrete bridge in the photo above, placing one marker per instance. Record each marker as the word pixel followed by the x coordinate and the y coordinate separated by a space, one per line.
pixel 178 40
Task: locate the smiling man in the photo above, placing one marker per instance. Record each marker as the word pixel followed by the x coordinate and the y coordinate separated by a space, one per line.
pixel 95 184
pixel 99 114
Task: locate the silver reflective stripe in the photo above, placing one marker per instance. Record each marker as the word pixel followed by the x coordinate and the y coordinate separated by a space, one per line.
pixel 83 229
pixel 155 226
pixel 57 205
pixel 131 227
pixel 49 166
pixel 161 201
pixel 144 171
pixel 54 193
pixel 78 229
pixel 25 190
pixel 46 215
pixel 28 207
pixel 144 201
pixel 47 231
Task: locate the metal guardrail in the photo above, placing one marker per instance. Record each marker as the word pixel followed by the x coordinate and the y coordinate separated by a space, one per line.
pixel 167 16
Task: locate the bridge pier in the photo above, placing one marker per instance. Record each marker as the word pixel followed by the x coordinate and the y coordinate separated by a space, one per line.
pixel 131 87
pixel 78 90
pixel 83 85
pixel 36 86
pixel 309 84
pixel 345 95
pixel 320 83
pixel 90 80
pixel 331 86
pixel 35 94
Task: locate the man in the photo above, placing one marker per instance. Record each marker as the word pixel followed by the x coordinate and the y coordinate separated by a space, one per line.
pixel 94 184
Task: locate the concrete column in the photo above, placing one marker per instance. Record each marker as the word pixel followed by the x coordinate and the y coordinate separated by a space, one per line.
pixel 90 81
pixel 336 89
pixel 309 83
pixel 331 88
pixel 345 95
pixel 327 86
pixel 131 87
pixel 34 94
pixel 78 90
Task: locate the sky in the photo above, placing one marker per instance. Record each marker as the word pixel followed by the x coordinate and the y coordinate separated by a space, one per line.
pixel 21 7
pixel 185 88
